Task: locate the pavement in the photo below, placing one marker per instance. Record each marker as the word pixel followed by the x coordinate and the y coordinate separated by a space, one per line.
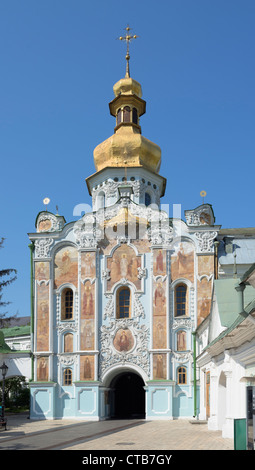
pixel 25 434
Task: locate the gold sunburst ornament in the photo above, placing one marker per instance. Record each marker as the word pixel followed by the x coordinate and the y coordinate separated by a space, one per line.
pixel 46 201
pixel 203 194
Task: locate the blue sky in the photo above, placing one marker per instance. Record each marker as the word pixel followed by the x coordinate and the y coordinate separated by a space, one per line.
pixel 59 62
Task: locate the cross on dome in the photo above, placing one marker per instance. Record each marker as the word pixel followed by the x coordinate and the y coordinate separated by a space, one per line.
pixel 128 38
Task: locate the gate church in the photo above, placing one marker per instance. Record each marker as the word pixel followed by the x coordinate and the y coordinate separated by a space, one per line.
pixel 118 293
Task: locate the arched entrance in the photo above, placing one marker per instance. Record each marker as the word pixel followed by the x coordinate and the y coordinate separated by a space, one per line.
pixel 127 396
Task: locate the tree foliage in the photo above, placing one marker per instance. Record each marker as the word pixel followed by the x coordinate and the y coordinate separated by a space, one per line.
pixel 16 392
pixel 7 276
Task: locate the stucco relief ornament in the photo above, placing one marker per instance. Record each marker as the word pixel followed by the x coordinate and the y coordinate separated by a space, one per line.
pixel 182 356
pixel 67 360
pixel 142 272
pixel 109 309
pixel 182 322
pixel 124 342
pixel 138 308
pixel 122 239
pixel 86 234
pixel 110 188
pixel 42 247
pixel 69 326
pixel 161 235
pixel 106 275
pixel 205 241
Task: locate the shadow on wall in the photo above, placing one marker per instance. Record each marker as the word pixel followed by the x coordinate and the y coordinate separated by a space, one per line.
pixel 182 404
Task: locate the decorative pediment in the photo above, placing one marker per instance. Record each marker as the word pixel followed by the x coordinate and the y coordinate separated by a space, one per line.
pixel 48 222
pixel 202 215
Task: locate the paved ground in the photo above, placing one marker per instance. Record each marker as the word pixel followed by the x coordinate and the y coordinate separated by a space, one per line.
pixel 25 434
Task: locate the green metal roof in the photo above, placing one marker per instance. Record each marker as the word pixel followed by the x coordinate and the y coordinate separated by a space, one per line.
pixel 237 321
pixel 4 348
pixel 227 299
pixel 16 331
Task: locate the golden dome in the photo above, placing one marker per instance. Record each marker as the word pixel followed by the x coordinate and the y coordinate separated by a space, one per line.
pixel 129 86
pixel 127 147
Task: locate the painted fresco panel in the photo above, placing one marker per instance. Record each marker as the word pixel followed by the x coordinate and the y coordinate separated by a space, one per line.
pixel 159 332
pixel 142 245
pixel 87 368
pixel 66 266
pixel 88 265
pixel 159 314
pixel 159 262
pixel 68 342
pixel 182 261
pixel 87 339
pixel 204 294
pixel 45 225
pixel 123 340
pixel 42 333
pixel 205 265
pixel 181 340
pixel 159 367
pixel 159 297
pixel 87 300
pixel 124 264
pixel 42 270
pixel 43 369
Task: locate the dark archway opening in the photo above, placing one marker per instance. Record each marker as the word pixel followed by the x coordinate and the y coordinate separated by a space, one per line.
pixel 128 397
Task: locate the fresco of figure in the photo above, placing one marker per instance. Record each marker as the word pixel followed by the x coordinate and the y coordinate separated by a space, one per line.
pixel 42 369
pixel 159 300
pixel 87 300
pixel 66 266
pixel 88 265
pixel 123 340
pixel 124 264
pixel 159 265
pixel 182 261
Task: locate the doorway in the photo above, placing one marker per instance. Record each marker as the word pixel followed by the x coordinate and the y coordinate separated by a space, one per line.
pixel 127 396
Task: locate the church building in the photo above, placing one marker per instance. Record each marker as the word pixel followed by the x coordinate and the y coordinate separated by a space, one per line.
pixel 118 294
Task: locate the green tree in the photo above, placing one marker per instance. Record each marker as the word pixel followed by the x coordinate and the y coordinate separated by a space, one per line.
pixel 7 276
pixel 16 392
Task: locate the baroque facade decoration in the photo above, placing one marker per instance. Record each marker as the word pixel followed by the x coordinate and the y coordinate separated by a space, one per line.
pixel 119 293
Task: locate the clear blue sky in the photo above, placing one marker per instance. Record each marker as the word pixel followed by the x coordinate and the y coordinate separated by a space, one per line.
pixel 59 61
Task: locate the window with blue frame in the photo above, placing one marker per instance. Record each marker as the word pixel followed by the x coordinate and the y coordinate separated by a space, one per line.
pixel 123 302
pixel 180 300
pixel 67 304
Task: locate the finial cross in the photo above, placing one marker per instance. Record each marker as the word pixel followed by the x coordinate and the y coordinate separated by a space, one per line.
pixel 128 37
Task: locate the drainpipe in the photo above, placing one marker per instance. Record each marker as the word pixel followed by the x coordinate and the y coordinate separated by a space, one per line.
pixel 31 247
pixel 195 373
pixel 240 288
pixel 216 262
